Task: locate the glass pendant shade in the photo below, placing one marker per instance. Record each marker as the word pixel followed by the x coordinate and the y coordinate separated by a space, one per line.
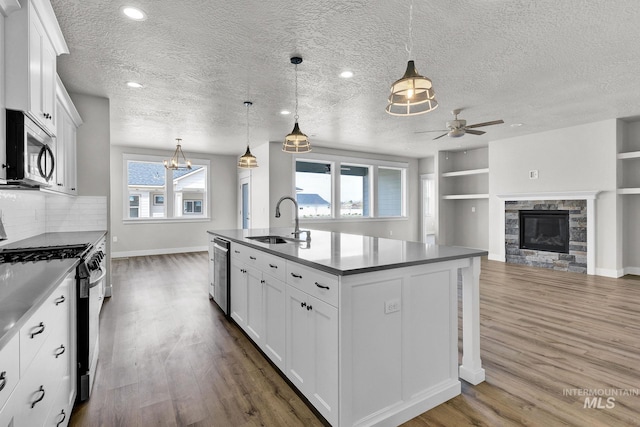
pixel 412 94
pixel 247 160
pixel 296 141
pixel 175 163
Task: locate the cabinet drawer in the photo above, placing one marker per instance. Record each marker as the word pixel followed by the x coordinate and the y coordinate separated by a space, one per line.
pixel 60 410
pixel 319 284
pixel 272 265
pixel 51 317
pixel 240 252
pixel 9 368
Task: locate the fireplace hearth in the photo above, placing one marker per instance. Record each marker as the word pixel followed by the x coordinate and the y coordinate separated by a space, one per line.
pixel 544 230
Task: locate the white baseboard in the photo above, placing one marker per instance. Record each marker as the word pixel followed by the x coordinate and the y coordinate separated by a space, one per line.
pixel 496 257
pixel 166 251
pixel 632 270
pixel 608 272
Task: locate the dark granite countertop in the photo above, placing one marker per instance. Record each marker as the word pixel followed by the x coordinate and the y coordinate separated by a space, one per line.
pixel 25 286
pixel 344 254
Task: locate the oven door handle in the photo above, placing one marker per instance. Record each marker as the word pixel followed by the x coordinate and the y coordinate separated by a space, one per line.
pixel 95 282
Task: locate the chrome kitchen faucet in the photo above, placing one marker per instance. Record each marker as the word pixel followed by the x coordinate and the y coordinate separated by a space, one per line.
pixel 296 231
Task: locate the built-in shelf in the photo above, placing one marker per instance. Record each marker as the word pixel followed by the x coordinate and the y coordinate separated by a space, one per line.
pixel 465 196
pixel 466 172
pixel 628 190
pixel 629 155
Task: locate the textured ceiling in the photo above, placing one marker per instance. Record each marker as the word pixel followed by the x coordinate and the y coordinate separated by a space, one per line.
pixel 547 64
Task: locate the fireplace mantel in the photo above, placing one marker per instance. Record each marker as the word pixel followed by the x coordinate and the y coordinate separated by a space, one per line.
pixel 589 196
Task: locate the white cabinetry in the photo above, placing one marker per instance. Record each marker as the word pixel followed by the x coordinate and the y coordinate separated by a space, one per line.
pixel 45 347
pixel 33 40
pixel 68 121
pixel 258 299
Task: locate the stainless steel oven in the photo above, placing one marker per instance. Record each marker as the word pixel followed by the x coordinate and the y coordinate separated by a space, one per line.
pixel 29 151
pixel 90 279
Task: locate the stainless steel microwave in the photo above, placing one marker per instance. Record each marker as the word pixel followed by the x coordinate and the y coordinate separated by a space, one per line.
pixel 29 149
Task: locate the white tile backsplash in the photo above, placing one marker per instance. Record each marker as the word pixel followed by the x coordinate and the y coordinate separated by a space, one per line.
pixel 83 213
pixel 27 213
pixel 23 214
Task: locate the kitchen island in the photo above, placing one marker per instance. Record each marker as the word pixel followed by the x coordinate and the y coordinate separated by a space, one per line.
pixel 366 328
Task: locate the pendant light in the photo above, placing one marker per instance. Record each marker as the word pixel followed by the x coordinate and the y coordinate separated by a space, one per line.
pixel 248 160
pixel 412 94
pixel 174 163
pixel 296 141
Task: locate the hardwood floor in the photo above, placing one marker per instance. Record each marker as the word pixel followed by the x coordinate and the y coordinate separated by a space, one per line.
pixel 169 358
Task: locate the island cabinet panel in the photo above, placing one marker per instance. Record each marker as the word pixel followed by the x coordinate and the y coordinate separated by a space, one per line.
pixel 312 350
pixel 274 320
pixel 238 291
pixel 398 343
pixel 255 304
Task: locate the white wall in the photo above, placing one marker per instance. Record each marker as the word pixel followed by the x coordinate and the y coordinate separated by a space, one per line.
pixel 570 159
pixel 172 237
pixel 281 183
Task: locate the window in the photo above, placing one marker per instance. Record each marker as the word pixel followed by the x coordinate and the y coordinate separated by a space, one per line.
pixel 363 188
pixel 390 192
pixel 313 189
pixel 134 206
pixel 157 193
pixel 192 206
pixel 354 190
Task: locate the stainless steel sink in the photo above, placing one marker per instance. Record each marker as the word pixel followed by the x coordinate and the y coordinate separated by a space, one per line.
pixel 272 240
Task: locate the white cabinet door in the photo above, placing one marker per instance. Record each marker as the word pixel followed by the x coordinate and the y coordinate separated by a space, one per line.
pixel 299 352
pixel 60 141
pixel 238 292
pixel 255 312
pixel 274 320
pixel 312 350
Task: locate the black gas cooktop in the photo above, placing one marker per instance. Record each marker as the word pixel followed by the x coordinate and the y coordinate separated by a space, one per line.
pixel 42 253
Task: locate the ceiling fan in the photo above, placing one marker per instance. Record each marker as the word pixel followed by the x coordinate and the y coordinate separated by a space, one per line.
pixel 458 127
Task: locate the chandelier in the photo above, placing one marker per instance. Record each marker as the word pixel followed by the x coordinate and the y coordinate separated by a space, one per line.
pixel 174 163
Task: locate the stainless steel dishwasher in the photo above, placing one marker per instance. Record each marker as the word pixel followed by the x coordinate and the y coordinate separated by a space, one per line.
pixel 221 274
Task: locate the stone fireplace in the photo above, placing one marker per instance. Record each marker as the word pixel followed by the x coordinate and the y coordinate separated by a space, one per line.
pixel 547 233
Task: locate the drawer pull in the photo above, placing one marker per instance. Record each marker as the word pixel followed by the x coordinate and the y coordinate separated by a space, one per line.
pixel 236 251
pixel 321 286
pixel 297 276
pixel 309 307
pixel 303 304
pixel 60 300
pixel 273 266
pixel 64 417
pixel 252 257
pixel 60 351
pixel 41 390
pixel 3 378
pixel 39 331
pixel 262 281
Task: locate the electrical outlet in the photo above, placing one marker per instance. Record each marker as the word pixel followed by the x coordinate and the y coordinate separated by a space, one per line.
pixel 115 239
pixel 533 174
pixel 473 209
pixel 390 233
pixel 391 306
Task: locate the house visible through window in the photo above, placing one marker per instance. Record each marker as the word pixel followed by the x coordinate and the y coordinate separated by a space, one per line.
pixel 156 193
pixel 313 189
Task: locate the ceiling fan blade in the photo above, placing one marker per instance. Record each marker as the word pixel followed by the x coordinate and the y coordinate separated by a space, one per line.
pixel 477 125
pixel 438 130
pixel 474 132
pixel 438 137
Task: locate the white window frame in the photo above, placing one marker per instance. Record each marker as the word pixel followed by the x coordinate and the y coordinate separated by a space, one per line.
pixel 169 194
pixel 336 164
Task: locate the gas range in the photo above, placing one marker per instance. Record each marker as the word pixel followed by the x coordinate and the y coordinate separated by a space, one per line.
pixel 44 253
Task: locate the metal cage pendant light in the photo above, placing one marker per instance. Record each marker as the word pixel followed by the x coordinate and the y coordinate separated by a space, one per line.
pixel 248 160
pixel 296 141
pixel 413 94
pixel 174 163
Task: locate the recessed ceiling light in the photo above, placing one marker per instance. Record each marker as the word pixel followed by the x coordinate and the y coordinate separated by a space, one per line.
pixel 285 112
pixel 346 74
pixel 133 13
pixel 516 125
pixel 135 85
